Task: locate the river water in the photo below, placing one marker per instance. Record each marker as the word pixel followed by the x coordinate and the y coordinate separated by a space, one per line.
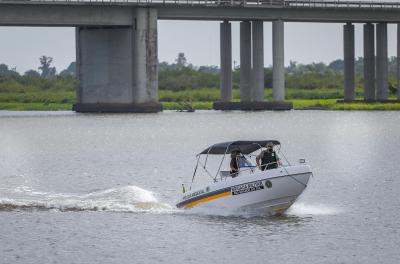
pixel 82 188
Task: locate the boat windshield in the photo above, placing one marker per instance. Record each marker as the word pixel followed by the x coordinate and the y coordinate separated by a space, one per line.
pixel 243 162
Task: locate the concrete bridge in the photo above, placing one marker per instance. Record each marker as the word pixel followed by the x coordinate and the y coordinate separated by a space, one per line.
pixel 116 45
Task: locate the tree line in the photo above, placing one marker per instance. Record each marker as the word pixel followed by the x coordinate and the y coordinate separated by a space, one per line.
pixel 182 75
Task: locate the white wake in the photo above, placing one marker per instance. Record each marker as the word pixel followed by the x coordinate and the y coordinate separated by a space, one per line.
pixel 302 209
pixel 122 199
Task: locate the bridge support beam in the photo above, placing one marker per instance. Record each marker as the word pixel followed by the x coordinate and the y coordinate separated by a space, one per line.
pixel 245 62
pixel 258 61
pixel 226 61
pixel 381 61
pixel 348 50
pixel 278 54
pixel 117 66
pixel 369 62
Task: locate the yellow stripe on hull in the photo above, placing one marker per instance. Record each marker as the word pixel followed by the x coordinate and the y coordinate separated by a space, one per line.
pixel 189 205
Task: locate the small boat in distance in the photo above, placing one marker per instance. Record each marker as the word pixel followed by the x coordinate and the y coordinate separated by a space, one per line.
pixel 271 191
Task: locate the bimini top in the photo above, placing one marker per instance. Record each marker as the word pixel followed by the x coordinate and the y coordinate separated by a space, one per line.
pixel 246 147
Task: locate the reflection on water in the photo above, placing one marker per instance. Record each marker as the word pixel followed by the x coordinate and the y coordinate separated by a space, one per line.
pixel 243 222
pixel 101 189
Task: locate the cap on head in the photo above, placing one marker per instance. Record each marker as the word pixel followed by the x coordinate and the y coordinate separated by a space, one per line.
pixel 269 145
pixel 235 152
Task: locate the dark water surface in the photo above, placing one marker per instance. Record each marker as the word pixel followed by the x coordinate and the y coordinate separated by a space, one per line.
pixel 77 188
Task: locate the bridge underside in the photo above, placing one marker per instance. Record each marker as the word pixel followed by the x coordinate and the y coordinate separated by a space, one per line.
pixel 22 13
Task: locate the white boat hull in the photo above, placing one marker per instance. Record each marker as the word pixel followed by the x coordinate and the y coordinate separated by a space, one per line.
pixel 272 191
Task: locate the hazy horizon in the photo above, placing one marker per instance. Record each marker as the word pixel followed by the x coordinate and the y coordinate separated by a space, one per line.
pixel 199 40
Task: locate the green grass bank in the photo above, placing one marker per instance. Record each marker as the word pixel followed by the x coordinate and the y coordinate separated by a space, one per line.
pixel 201 99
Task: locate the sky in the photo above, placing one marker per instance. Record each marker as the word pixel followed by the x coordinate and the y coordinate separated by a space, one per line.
pixel 21 47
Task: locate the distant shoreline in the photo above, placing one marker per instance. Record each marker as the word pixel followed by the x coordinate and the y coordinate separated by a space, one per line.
pixel 299 104
pixel 197 99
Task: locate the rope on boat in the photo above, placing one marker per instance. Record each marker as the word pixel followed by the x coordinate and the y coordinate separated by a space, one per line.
pixel 288 174
pixel 281 152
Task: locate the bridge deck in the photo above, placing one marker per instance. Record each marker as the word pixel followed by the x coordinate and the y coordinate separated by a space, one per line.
pixel 336 4
pixel 119 12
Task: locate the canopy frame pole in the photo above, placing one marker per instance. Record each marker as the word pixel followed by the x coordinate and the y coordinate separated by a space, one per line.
pixel 194 173
pixel 208 153
pixel 220 165
pixel 209 174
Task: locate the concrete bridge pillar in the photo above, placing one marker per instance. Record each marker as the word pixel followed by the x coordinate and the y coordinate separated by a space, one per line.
pixel 226 61
pixel 258 61
pixel 252 69
pixel 245 62
pixel 381 61
pixel 369 62
pixel 117 66
pixel 278 54
pixel 348 48
pixel 145 57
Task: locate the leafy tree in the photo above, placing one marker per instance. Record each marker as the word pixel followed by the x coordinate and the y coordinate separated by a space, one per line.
pixel 209 69
pixel 337 65
pixel 45 67
pixel 32 73
pixel 70 71
pixel 6 72
pixel 292 66
pixel 181 60
pixel 178 77
pixel 3 69
pixel 268 77
pixel 392 88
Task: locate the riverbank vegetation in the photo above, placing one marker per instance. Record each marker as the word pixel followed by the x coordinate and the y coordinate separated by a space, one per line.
pixel 182 85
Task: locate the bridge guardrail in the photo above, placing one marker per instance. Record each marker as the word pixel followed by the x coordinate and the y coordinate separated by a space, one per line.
pixel 340 4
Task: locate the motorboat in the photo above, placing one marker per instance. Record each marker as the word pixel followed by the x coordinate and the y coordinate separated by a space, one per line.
pixel 272 191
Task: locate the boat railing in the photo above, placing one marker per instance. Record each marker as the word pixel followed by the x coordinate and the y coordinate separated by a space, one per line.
pixel 218 174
